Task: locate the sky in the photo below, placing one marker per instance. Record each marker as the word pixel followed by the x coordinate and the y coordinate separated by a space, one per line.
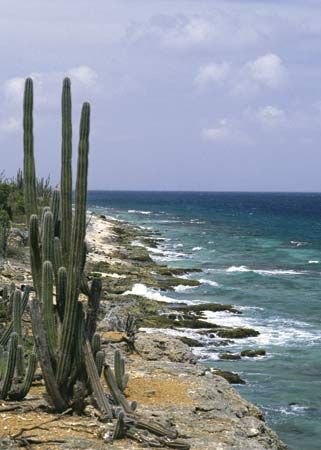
pixel 185 94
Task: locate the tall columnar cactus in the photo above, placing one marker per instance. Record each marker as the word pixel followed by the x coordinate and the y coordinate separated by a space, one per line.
pixel 57 249
pixel 76 248
pixel 66 170
pixel 30 187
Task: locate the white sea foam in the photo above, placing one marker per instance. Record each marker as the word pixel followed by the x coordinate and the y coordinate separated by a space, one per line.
pixel 312 261
pixel 275 331
pixel 263 271
pixel 152 294
pixel 135 211
pixel 183 288
pixel 177 245
pixel 197 221
pixel 167 221
pixel 249 308
pixel 298 243
pixel 291 410
pixel 209 282
pixel 169 255
pixel 196 249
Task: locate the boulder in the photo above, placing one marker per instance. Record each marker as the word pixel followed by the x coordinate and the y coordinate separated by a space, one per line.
pixel 157 346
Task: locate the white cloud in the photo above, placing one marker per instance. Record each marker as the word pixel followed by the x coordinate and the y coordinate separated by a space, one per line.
pixel 253 77
pixel 267 70
pixel 194 31
pixel 177 31
pixel 211 73
pixel 271 116
pixel 249 78
pixel 13 88
pixel 218 133
pixel 83 74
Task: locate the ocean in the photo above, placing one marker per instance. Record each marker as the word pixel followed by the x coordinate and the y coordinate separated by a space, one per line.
pixel 262 253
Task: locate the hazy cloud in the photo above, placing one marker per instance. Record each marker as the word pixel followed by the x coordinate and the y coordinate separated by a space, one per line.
pixel 271 116
pixel 220 132
pixel 83 74
pixel 211 73
pixel 267 70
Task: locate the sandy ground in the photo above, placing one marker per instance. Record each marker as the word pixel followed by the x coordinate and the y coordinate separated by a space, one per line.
pixel 99 236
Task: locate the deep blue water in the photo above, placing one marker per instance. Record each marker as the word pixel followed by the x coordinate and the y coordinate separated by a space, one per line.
pixel 262 253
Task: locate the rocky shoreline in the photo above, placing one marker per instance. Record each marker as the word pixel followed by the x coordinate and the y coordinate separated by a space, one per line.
pixel 166 380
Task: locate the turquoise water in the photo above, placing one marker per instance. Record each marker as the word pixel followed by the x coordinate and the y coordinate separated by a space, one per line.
pixel 262 253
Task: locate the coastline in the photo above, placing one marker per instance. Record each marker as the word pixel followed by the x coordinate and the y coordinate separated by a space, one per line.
pixel 166 379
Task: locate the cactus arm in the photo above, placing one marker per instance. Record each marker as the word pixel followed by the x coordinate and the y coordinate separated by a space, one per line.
pixel 116 393
pixel 17 313
pixel 39 333
pixel 119 370
pixel 55 209
pixel 99 360
pixel 95 383
pixel 66 170
pixel 156 428
pixel 119 431
pixel 20 362
pixel 93 307
pixel 61 288
pixel 96 343
pixel 6 335
pixel 58 261
pixel 35 255
pixel 48 237
pixel 20 390
pixel 4 361
pixel 176 444
pixel 77 239
pixel 48 309
pixel 30 189
pixel 11 363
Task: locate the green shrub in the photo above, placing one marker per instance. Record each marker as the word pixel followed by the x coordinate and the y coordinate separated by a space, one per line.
pixel 4 232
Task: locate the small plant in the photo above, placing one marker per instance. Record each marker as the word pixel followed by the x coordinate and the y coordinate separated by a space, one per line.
pixel 4 232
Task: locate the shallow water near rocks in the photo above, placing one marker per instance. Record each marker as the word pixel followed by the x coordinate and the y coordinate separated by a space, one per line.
pixel 262 253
